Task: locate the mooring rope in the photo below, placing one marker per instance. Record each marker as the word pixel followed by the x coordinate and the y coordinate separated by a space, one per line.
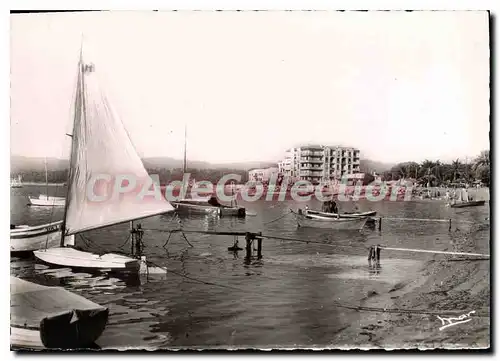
pixel 422 219
pixel 399 310
pixel 437 252
pixel 277 219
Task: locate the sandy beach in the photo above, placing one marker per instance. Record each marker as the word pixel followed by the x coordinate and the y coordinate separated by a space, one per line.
pixel 447 286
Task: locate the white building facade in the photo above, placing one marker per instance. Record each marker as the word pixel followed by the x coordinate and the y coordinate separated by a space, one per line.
pixel 262 175
pixel 320 163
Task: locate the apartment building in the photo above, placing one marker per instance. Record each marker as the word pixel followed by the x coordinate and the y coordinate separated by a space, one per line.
pixel 320 163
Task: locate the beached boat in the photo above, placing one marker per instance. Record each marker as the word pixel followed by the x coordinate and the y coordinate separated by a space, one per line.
pixel 25 238
pixel 109 151
pixel 304 219
pixel 51 317
pixel 468 204
pixel 16 183
pixel 202 206
pixel 343 215
pixel 463 200
pixel 47 201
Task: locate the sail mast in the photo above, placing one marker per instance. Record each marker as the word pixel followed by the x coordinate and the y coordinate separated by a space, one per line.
pixel 46 178
pixel 77 104
pixel 185 157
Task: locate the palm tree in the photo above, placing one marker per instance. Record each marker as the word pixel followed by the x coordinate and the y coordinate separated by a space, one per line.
pixel 456 167
pixel 483 160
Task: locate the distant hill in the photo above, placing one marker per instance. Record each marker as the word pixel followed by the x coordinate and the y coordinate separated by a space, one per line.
pixel 370 166
pixel 21 164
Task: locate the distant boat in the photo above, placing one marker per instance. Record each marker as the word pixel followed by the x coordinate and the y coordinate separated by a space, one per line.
pixel 25 238
pixel 47 201
pixel 44 199
pixel 51 317
pixel 343 215
pixel 16 183
pixel 305 219
pixel 108 151
pixel 463 200
pixel 208 206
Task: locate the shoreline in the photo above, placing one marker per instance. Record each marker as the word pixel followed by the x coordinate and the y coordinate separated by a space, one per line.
pixel 441 285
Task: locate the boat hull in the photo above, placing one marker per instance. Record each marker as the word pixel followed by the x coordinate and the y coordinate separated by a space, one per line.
pixel 343 215
pixel 222 211
pixel 28 239
pixel 45 201
pixel 70 257
pixel 314 221
pixel 468 204
pixel 51 317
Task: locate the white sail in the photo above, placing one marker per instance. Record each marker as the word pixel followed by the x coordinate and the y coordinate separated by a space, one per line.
pixel 101 147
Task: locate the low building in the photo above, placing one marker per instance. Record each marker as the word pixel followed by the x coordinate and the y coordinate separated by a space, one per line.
pixel 263 174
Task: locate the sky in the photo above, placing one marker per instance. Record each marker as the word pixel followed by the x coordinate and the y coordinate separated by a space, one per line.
pixel 248 85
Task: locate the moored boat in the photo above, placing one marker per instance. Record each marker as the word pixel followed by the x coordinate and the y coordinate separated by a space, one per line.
pixel 108 151
pixel 305 219
pixel 51 317
pixel 25 238
pixel 343 215
pixel 47 201
pixel 202 206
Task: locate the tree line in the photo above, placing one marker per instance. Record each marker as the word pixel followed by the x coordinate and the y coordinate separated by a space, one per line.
pixel 165 175
pixel 438 173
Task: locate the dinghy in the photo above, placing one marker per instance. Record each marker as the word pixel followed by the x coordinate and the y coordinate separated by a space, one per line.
pixel 47 201
pixel 51 317
pixel 305 219
pixel 24 238
pixel 110 156
pixel 202 206
pixel 342 215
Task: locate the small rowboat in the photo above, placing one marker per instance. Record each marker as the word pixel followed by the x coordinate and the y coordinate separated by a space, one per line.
pixel 342 215
pixel 47 201
pixel 25 238
pixel 305 219
pixel 467 204
pixel 51 317
pixel 200 206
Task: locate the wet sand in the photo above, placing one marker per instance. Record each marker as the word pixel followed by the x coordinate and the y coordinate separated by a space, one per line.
pixel 445 287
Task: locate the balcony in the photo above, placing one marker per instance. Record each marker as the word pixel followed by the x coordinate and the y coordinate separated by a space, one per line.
pixel 311 173
pixel 311 160
pixel 311 153
pixel 311 166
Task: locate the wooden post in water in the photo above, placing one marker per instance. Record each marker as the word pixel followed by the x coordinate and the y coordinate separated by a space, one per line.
pixel 449 228
pixel 248 239
pixel 380 223
pixel 132 237
pixel 259 248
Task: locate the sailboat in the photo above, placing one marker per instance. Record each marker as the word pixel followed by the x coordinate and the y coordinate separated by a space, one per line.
pixel 206 205
pixel 45 199
pixel 101 149
pixel 16 183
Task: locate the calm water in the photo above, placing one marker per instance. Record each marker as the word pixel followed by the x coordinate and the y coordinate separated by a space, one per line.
pixel 285 299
